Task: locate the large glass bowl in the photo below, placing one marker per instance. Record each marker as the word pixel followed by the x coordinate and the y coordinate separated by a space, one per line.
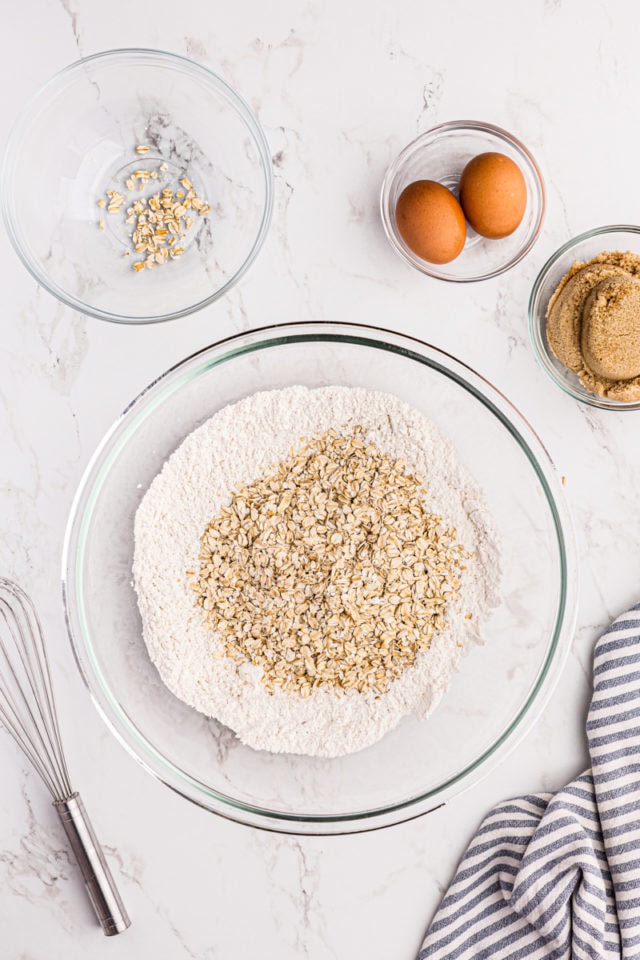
pixel 76 139
pixel 582 248
pixel 500 688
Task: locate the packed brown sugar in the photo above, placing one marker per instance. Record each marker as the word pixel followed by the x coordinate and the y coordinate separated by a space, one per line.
pixel 593 324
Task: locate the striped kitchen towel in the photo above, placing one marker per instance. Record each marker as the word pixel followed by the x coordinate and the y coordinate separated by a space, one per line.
pixel 557 876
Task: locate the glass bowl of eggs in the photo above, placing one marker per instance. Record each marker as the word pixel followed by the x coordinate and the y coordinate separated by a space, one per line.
pixel 463 202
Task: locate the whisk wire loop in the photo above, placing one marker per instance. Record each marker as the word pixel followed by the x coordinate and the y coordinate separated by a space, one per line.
pixel 26 697
pixel 10 710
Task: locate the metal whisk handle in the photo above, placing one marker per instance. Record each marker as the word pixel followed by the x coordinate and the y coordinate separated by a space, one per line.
pixel 100 885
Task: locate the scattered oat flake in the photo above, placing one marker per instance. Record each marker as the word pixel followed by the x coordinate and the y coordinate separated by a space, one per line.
pixel 101 224
pixel 157 222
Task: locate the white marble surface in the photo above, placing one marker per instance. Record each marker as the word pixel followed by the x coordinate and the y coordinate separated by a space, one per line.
pixel 339 89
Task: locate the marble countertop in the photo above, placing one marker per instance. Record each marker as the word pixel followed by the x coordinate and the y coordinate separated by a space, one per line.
pixel 339 89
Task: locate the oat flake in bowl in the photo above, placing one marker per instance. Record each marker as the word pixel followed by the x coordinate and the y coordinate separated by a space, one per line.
pixel 214 666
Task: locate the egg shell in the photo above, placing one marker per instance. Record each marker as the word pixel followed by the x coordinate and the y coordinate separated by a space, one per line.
pixel 493 195
pixel 430 221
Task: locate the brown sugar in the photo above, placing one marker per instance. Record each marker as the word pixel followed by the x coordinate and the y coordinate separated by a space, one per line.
pixel 593 324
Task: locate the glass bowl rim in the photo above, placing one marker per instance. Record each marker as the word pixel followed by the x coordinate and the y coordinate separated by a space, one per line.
pixel 169 773
pixel 538 340
pixel 424 266
pixel 12 155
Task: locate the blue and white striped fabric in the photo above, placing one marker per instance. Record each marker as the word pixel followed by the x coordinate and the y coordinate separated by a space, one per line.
pixel 557 877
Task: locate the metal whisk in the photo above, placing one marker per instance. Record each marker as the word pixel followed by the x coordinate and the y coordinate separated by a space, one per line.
pixel 28 713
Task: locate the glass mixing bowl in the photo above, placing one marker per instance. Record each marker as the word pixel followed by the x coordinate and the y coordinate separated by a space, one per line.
pixel 442 154
pixel 500 688
pixel 582 248
pixel 76 139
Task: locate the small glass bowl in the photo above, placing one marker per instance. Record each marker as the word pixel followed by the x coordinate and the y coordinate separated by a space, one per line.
pixel 76 139
pixel 581 248
pixel 441 154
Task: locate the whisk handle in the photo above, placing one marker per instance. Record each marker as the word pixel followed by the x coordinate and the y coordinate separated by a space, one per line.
pixel 100 885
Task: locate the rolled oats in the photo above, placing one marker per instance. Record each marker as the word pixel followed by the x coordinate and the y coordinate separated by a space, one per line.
pixel 330 571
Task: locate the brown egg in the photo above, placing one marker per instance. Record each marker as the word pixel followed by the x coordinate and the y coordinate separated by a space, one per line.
pixel 493 195
pixel 430 221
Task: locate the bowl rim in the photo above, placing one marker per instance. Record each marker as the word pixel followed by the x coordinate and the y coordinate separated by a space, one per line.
pixel 323 824
pixel 11 159
pixel 392 170
pixel 538 337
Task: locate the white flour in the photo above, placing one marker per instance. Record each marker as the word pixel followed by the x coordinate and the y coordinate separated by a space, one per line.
pixel 233 448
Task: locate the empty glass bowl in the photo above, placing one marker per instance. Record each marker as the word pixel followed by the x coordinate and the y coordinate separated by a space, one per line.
pixel 501 686
pixel 77 138
pixel 581 248
pixel 441 154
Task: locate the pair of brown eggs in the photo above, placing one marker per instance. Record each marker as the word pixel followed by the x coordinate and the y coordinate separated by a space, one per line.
pixel 493 199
